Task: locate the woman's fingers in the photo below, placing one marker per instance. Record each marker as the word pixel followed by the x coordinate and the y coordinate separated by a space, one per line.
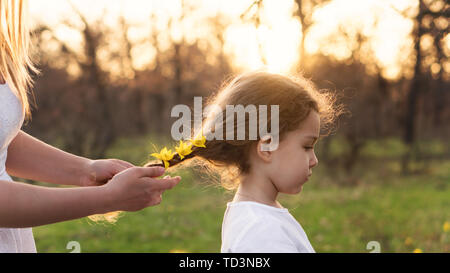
pixel 136 188
pixel 161 184
pixel 117 168
pixel 123 163
pixel 158 186
pixel 143 172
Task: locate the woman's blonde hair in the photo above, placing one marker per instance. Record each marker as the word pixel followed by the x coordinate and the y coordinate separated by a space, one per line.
pixel 15 61
pixel 296 98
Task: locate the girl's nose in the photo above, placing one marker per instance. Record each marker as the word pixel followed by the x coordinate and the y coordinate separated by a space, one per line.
pixel 314 161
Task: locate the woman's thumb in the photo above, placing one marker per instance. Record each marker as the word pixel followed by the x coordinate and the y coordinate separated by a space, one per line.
pixel 139 172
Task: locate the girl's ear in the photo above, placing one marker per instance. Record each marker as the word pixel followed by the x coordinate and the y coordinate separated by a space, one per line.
pixel 266 156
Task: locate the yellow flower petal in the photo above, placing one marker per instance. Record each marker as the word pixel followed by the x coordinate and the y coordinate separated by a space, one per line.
pixel 183 149
pixel 446 226
pixel 164 155
pixel 166 164
pixel 199 141
pixel 417 250
pixel 158 156
pixel 178 251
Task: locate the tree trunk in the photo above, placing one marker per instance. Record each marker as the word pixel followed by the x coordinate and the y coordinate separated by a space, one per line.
pixel 409 136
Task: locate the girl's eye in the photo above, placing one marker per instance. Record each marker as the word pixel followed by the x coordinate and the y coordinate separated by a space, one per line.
pixel 309 148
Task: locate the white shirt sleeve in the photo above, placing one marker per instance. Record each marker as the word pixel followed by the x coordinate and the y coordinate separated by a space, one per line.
pixel 264 236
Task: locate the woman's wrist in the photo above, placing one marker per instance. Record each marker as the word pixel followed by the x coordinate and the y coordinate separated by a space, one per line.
pixel 99 199
pixel 104 200
pixel 86 174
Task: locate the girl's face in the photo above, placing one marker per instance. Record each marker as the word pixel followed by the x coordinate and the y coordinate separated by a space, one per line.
pixel 292 162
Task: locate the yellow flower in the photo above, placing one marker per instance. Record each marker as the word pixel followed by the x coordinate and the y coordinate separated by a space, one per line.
pixel 417 250
pixel 446 226
pixel 183 149
pixel 178 251
pixel 199 141
pixel 165 155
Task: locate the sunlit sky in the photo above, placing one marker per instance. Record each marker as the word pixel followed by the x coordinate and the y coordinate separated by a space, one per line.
pixel 277 38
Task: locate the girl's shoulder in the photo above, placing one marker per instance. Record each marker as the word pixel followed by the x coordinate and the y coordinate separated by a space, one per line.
pixel 253 215
pixel 255 228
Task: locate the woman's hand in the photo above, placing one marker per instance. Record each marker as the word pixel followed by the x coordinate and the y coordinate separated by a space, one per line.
pixel 99 172
pixel 137 188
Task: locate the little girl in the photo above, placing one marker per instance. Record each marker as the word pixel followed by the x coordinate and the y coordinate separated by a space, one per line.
pixel 255 221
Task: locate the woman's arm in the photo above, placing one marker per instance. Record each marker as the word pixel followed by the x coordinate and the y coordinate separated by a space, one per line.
pixel 33 159
pixel 24 205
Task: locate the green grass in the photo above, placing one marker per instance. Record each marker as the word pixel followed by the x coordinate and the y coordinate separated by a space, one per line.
pixel 345 219
pixel 189 219
pixel 402 213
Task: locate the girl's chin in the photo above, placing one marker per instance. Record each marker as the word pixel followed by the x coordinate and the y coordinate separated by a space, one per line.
pixel 293 190
pixel 298 189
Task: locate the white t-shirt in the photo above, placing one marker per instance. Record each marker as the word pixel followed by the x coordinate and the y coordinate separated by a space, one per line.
pixel 11 120
pixel 254 227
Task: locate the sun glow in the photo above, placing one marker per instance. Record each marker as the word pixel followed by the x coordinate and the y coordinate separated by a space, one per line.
pixel 273 45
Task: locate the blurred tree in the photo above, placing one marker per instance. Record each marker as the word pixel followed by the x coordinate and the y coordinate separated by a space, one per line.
pixel 304 12
pixel 367 96
pixel 90 93
pixel 88 87
pixel 253 15
pixel 380 107
pixel 101 133
pixel 426 23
